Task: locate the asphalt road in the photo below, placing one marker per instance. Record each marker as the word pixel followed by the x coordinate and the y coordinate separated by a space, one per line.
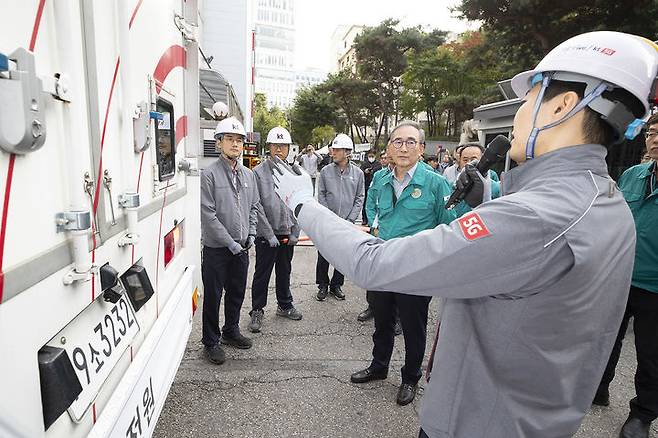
pixel 295 381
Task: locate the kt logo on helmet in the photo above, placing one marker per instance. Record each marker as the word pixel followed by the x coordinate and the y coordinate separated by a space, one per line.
pixel 279 136
pixel 603 50
pixel 235 126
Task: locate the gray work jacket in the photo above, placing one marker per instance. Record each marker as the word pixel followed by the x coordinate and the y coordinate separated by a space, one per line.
pixel 228 210
pixel 535 281
pixel 342 193
pixel 274 218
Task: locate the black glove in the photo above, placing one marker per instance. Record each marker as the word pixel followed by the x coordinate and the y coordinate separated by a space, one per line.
pixel 474 185
pixel 250 242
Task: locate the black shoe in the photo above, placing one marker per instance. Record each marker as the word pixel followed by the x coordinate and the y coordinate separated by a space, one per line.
pixel 602 397
pixel 323 291
pixel 237 341
pixel 365 315
pixel 398 327
pixel 337 292
pixel 368 375
pixel 256 323
pixel 635 428
pixel 215 354
pixel 406 394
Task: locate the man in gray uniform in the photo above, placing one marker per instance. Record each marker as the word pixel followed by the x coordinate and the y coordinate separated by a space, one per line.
pixel 229 207
pixel 276 238
pixel 341 189
pixel 525 335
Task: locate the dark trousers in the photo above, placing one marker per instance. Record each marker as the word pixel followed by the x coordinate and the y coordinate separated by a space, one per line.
pixel 322 273
pixel 364 217
pixel 413 317
pixel 222 271
pixel 267 258
pixel 643 307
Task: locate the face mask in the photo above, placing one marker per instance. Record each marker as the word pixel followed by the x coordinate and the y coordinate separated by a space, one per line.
pixel 371 159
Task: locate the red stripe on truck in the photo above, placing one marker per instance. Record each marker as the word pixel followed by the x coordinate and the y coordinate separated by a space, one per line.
pixel 174 56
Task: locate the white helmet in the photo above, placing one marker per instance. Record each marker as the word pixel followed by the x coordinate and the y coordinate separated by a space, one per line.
pixel 278 135
pixel 342 141
pixel 230 125
pixel 220 109
pixel 606 62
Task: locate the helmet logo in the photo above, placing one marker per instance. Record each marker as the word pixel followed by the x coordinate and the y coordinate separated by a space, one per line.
pixel 279 136
pixel 235 126
pixel 603 50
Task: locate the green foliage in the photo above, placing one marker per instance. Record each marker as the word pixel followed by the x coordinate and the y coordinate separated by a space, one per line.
pixel 521 32
pixel 355 97
pixel 447 82
pixel 313 107
pixel 266 119
pixel 322 135
pixel 381 53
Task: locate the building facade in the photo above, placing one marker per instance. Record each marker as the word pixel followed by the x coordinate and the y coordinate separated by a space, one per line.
pixel 227 38
pixel 274 23
pixel 309 78
pixel 343 55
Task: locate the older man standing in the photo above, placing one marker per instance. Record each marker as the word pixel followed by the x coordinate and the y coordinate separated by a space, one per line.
pixel 229 207
pixel 341 188
pixel 640 189
pixel 277 236
pixel 410 199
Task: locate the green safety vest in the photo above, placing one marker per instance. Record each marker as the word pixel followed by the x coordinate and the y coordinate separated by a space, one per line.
pixel 634 183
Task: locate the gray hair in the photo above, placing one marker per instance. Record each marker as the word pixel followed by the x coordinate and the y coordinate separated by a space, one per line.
pixel 411 123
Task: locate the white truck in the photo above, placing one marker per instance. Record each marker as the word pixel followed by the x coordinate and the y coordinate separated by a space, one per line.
pixel 99 230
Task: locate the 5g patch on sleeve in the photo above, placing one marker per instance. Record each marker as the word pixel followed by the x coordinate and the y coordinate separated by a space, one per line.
pixel 472 226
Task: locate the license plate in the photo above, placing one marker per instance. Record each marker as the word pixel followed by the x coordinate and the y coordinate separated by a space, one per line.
pixel 94 342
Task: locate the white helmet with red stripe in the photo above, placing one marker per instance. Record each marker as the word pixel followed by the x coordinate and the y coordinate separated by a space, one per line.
pixel 607 62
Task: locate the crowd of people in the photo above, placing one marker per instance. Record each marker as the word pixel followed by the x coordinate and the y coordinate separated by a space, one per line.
pixel 525 337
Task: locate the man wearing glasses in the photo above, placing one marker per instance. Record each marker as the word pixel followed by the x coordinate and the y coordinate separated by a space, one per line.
pixel 641 193
pixel 410 199
pixel 229 208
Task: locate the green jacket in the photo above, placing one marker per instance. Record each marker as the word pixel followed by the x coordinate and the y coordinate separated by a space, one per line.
pixel 371 200
pixel 634 183
pixel 421 205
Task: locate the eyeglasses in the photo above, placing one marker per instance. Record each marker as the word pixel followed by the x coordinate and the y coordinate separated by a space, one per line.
pixel 651 133
pixel 410 143
pixel 234 140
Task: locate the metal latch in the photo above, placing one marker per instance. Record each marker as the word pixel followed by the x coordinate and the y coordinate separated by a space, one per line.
pixel 188 30
pixel 73 221
pixel 107 182
pixel 129 200
pixel 188 168
pixel 22 121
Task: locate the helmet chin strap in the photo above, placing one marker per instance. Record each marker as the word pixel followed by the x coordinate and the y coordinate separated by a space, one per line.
pixel 545 81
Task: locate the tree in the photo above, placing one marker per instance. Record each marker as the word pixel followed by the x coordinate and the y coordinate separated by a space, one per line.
pixel 447 83
pixel 523 31
pixel 322 135
pixel 312 107
pixel 266 119
pixel 355 97
pixel 381 58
